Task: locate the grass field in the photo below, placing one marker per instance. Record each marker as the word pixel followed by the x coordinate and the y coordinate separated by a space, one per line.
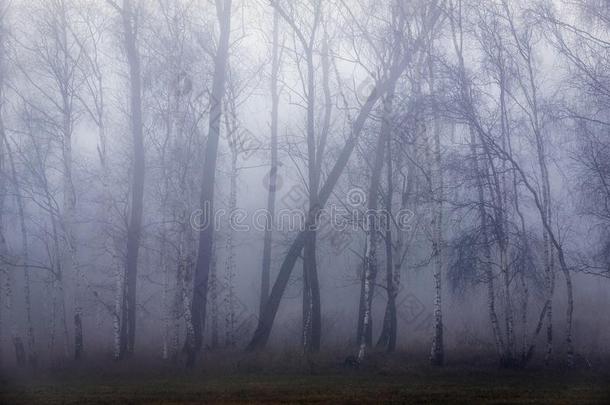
pixel 418 385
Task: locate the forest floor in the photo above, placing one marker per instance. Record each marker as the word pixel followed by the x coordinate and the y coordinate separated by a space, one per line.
pixel 416 384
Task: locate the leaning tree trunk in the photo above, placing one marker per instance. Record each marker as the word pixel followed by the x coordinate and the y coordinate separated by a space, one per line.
pixel 266 319
pixel 275 64
pixel 265 322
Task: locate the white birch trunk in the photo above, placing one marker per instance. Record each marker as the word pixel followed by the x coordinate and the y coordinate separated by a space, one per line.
pixel 214 298
pixel 369 254
pixel 167 311
pixel 118 305
pixel 437 350
pixel 229 298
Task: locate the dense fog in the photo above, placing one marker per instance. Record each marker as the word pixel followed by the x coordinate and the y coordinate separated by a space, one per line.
pixel 346 177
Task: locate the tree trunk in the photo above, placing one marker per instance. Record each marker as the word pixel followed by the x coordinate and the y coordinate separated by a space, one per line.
pixel 54 257
pixel 214 299
pixel 489 277
pixel 275 64
pixel 134 227
pixel 20 205
pixel 6 271
pixel 373 229
pixel 457 36
pixel 311 291
pixel 437 350
pixel 263 330
pixel 206 235
pixel 387 339
pixel 31 342
pixel 167 311
pixel 68 216
pixel 265 322
pixel 229 276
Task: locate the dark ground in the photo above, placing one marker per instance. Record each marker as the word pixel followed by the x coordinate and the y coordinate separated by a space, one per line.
pixel 379 383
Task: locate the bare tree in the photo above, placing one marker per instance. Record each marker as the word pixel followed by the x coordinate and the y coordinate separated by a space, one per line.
pixel 267 241
pixel 129 17
pixel 266 319
pixel 206 235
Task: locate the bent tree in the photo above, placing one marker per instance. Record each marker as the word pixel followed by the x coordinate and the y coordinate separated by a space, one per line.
pixel 266 319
